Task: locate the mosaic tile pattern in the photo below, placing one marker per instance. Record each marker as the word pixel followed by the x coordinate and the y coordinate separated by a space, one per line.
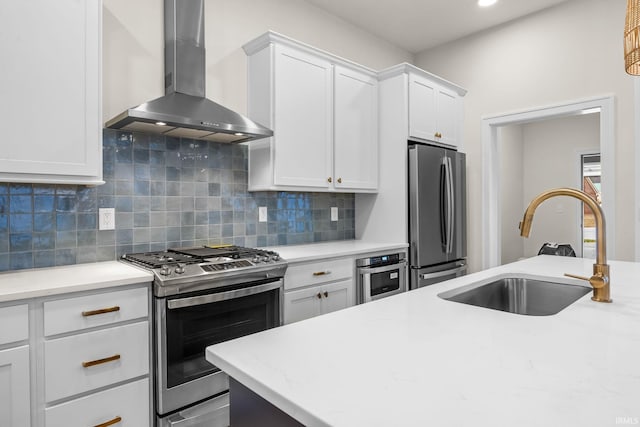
pixel 167 192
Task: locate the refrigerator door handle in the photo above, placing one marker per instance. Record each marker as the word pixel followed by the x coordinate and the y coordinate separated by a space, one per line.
pixel 450 205
pixel 443 204
pixel 443 273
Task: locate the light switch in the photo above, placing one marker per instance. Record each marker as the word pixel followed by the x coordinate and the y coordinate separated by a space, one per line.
pixel 334 213
pixel 262 214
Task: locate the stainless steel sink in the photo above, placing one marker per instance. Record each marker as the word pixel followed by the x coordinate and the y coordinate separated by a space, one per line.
pixel 532 297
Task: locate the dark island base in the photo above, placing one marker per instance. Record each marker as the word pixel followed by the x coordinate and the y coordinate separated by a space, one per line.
pixel 247 409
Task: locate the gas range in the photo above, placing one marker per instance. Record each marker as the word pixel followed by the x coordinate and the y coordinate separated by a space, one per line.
pixel 181 270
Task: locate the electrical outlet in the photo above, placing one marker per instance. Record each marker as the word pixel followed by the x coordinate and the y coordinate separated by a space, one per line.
pixel 262 214
pixel 334 213
pixel 106 219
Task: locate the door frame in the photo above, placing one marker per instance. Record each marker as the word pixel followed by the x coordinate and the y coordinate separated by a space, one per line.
pixel 491 215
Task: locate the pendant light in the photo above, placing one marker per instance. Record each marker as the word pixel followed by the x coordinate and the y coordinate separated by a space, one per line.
pixel 632 38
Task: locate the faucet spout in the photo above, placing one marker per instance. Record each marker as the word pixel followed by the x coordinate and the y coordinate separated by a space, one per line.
pixel 600 279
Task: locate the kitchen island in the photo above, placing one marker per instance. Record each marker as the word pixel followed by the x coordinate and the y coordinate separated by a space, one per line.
pixel 415 359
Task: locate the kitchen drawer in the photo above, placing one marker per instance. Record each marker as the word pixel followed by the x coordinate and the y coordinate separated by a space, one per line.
pixel 312 273
pixel 65 374
pixel 15 323
pixel 75 314
pixel 129 403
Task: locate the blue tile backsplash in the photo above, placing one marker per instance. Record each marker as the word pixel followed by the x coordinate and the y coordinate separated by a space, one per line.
pixel 167 192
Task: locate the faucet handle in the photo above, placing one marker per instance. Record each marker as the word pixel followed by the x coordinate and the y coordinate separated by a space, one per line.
pixel 597 281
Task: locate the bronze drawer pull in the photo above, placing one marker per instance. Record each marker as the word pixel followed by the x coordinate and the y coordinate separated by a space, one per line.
pixel 101 311
pixel 321 273
pixel 326 294
pixel 110 422
pixel 101 361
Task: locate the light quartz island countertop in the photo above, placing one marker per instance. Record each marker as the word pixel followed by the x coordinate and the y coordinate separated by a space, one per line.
pixel 417 360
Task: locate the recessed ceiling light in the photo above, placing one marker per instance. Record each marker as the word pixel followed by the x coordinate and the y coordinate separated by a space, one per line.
pixel 486 3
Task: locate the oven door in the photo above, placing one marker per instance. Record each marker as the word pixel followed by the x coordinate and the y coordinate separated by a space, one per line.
pixel 186 324
pixel 379 282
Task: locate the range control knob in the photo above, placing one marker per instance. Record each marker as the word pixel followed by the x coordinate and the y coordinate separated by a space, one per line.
pixel 180 268
pixel 164 270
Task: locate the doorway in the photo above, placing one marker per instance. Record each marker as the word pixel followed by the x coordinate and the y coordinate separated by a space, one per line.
pixel 491 211
pixel 535 157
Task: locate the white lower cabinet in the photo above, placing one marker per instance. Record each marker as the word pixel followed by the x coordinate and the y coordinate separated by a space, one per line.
pixel 91 360
pixel 318 287
pixel 87 354
pixel 96 359
pixel 309 302
pixel 123 406
pixel 15 393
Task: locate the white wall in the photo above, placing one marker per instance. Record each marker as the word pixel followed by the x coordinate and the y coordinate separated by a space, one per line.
pixel 566 53
pixel 133 67
pixel 511 152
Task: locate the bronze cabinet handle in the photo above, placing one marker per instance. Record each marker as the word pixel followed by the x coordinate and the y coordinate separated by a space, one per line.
pixel 100 311
pixel 101 361
pixel 321 273
pixel 110 422
pixel 318 295
pixel 326 294
pixel 339 180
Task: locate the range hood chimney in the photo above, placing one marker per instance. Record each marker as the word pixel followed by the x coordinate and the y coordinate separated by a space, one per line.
pixel 184 111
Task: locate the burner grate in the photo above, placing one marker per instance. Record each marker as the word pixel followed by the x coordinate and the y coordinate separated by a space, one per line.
pixel 158 259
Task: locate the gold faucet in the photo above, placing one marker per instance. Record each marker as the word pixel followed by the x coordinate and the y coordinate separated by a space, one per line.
pixel 600 279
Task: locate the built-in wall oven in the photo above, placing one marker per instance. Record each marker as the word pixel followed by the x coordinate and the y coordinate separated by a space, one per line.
pixel 199 301
pixel 380 276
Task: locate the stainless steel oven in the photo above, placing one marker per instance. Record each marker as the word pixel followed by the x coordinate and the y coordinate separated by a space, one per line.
pixel 203 296
pixel 188 323
pixel 380 276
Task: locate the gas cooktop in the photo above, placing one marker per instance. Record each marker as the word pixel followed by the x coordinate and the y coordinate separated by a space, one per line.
pixel 180 270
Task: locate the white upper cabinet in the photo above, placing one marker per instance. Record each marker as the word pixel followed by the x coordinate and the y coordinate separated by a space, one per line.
pixel 435 108
pixel 50 103
pixel 323 111
pixel 302 119
pixel 355 130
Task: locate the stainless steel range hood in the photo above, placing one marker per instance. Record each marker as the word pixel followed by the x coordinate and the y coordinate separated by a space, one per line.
pixel 184 111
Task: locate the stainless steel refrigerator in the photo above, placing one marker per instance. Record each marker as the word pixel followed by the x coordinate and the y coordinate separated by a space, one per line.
pixel 437 214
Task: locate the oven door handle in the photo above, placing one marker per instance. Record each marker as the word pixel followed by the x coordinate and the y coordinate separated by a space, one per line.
pixel 388 267
pixel 222 296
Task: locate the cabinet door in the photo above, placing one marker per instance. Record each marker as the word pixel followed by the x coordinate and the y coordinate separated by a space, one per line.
pixel 303 120
pixel 355 130
pixel 123 406
pixel 14 387
pixel 338 295
pixel 449 116
pixel 84 362
pixel 302 304
pixel 50 106
pixel 422 108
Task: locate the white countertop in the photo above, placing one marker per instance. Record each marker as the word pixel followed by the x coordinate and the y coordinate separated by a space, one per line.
pixel 417 360
pixel 39 282
pixel 312 251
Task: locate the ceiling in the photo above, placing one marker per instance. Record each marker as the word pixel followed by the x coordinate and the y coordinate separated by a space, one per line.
pixel 416 25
